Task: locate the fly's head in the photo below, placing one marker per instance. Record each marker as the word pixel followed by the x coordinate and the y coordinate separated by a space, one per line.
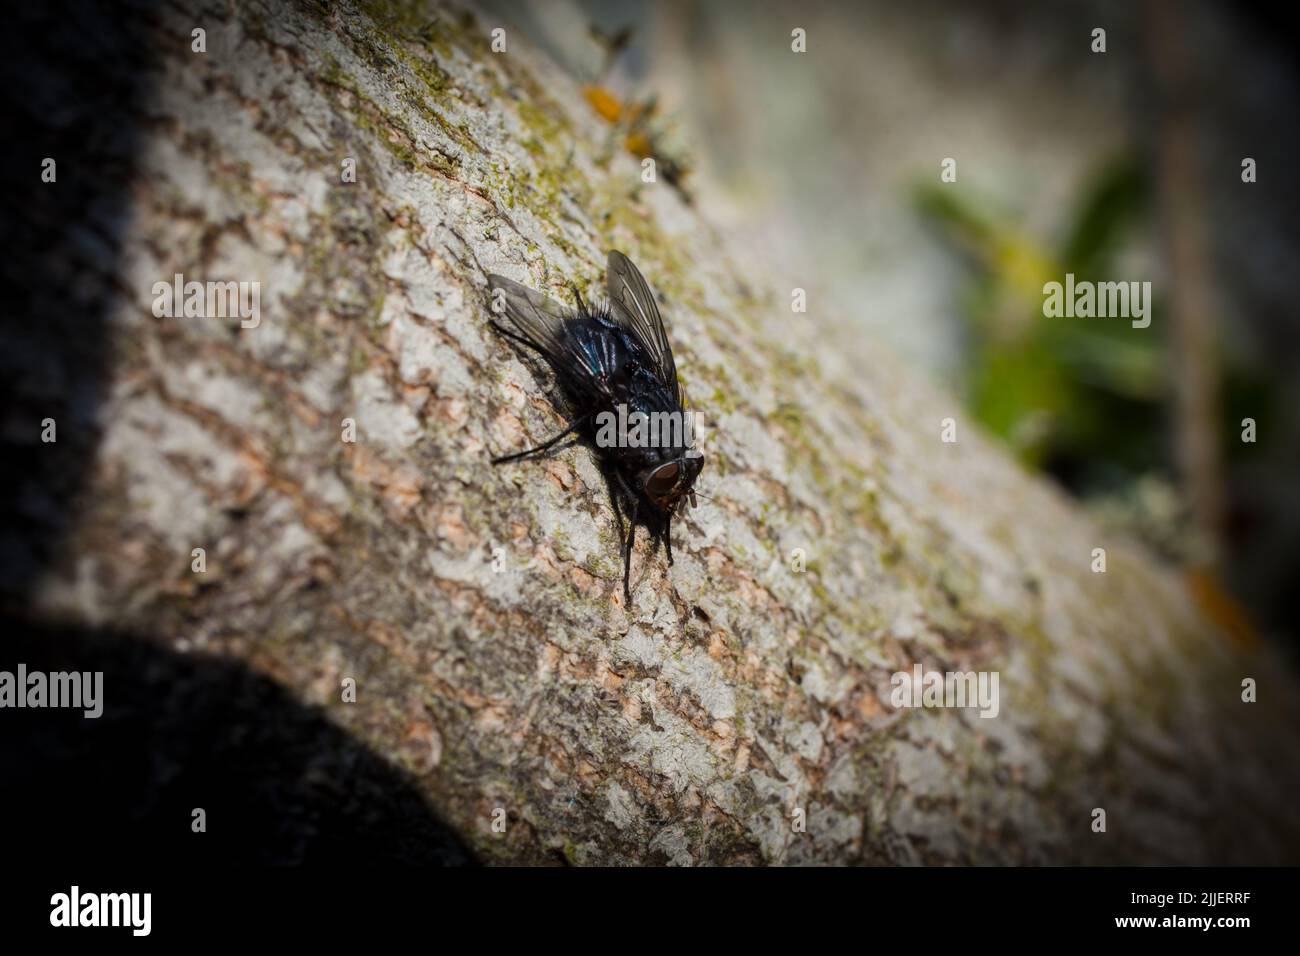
pixel 671 480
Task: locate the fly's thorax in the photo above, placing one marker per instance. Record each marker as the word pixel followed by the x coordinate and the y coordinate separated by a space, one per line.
pixel 645 424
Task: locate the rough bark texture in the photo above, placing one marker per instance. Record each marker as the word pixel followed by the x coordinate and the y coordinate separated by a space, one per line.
pixel 689 727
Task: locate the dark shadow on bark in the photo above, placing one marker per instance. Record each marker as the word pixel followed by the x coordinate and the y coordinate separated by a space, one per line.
pixel 74 80
pixel 280 783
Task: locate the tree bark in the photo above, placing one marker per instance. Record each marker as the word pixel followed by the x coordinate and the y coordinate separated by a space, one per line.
pixel 479 609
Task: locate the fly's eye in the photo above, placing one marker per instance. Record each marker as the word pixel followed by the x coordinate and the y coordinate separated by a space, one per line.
pixel 663 480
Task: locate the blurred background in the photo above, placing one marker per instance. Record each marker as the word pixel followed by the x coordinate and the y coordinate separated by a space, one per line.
pixel 1123 165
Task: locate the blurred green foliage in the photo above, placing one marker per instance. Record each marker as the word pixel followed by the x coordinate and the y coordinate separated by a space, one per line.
pixel 1083 398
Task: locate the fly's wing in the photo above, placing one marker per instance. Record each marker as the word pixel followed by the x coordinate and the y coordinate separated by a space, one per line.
pixel 541 322
pixel 635 309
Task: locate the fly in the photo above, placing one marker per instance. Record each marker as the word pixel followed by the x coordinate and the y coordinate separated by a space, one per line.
pixel 613 364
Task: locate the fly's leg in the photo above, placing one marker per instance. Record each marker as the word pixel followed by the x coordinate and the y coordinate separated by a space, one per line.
pixel 627 556
pixel 668 537
pixel 613 500
pixel 514 336
pixel 542 447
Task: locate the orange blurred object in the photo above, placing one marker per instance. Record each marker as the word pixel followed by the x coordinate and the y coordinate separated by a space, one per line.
pixel 1221 607
pixel 603 102
pixel 638 144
